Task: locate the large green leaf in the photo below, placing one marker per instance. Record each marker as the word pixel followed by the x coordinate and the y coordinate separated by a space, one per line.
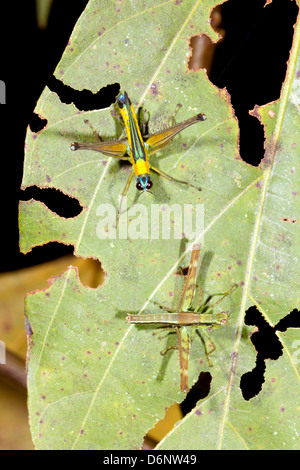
pixel 94 381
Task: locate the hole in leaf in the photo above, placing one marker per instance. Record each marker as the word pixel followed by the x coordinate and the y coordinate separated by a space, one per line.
pixel 202 53
pixel 172 416
pixel 48 252
pixel 90 272
pixel 37 123
pixel 267 345
pixel 252 381
pixel 202 46
pixel 63 205
pixel 84 100
pixel 265 340
pixel 251 61
pixel 198 391
pixel 292 320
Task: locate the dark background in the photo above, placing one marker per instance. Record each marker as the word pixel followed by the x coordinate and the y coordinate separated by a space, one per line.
pixel 250 62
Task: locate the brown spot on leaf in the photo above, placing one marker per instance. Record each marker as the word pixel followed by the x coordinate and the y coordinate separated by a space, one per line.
pixel 154 89
pixel 288 219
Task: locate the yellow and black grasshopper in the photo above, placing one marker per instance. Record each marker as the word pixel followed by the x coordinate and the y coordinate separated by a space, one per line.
pixel 135 149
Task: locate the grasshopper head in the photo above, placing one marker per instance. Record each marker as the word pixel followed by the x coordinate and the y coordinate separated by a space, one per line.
pixel 122 100
pixel 221 319
pixel 143 183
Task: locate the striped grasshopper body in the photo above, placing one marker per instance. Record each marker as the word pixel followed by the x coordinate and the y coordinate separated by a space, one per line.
pixel 188 318
pixel 136 148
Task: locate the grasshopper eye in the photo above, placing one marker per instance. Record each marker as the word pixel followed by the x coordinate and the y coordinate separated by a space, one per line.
pixel 121 101
pixel 139 186
pixel 149 184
